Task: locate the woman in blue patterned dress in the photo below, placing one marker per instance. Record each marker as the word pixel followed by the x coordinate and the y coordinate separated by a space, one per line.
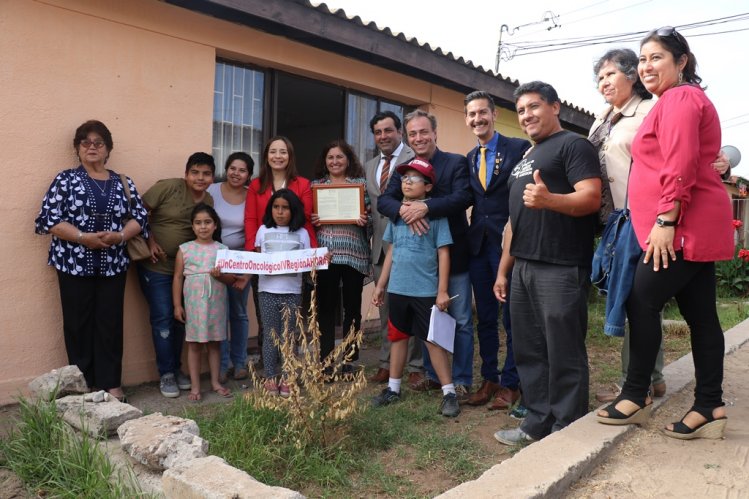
pixel 349 246
pixel 87 211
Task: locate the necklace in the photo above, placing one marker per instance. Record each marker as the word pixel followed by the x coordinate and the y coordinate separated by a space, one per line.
pixel 103 190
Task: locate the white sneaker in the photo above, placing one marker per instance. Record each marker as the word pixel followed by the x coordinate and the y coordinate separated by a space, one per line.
pixel 513 437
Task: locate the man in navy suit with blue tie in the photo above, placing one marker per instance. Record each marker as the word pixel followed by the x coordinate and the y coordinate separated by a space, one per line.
pixel 490 163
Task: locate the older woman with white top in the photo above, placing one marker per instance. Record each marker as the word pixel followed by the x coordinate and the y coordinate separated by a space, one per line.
pixel 612 134
pixel 229 202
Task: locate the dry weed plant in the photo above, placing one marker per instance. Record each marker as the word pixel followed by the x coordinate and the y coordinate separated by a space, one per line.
pixel 315 400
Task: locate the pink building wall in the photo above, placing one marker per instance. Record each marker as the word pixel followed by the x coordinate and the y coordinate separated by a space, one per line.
pixel 146 69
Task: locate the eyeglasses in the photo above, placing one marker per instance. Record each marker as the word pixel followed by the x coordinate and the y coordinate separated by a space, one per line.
pixel 413 179
pixel 98 144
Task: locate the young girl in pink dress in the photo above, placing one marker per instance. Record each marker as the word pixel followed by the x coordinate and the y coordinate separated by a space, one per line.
pixel 204 289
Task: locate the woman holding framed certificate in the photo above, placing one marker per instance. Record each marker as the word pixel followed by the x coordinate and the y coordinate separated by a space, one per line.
pixel 343 225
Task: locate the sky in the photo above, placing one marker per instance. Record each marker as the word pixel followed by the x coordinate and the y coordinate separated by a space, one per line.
pixel 471 29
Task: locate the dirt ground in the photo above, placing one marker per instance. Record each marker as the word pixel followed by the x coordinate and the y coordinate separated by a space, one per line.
pixel 478 421
pixel 650 464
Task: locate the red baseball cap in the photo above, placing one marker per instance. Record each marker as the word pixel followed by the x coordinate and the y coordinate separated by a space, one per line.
pixel 420 165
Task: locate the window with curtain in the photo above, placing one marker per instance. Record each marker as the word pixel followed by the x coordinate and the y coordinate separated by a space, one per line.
pixel 359 110
pixel 237 112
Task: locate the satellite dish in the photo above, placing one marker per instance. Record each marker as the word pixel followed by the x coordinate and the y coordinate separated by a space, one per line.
pixel 734 155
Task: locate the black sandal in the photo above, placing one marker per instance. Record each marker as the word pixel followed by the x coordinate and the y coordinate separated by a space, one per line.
pixel 711 428
pixel 615 417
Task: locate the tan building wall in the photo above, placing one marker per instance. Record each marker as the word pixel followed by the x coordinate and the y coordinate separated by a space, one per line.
pixel 146 69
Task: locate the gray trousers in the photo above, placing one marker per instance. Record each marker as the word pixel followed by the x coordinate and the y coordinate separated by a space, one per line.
pixel 549 311
pixel 414 358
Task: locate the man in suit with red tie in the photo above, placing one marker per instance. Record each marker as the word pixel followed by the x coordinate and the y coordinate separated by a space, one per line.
pixel 490 163
pixel 388 135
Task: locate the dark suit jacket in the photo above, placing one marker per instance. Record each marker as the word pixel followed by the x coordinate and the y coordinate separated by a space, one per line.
pixel 490 207
pixel 373 188
pixel 450 197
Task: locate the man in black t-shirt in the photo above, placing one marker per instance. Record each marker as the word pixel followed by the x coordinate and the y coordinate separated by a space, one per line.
pixel 555 193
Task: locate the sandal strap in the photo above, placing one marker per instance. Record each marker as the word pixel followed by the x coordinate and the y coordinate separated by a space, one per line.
pixel 705 412
pixel 680 427
pixel 614 413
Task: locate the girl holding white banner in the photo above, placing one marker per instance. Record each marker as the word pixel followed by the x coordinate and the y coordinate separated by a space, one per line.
pixel 282 230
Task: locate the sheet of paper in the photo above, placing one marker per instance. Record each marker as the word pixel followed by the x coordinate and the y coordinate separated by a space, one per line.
pixel 338 204
pixel 441 329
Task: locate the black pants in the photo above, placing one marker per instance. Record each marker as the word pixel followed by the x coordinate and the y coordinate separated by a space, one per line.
pixel 92 325
pixel 693 285
pixel 328 282
pixel 549 308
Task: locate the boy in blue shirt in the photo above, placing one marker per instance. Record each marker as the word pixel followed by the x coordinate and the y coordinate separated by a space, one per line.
pixel 417 268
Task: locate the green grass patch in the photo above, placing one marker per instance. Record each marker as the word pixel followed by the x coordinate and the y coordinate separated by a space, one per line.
pixel 252 440
pixel 53 460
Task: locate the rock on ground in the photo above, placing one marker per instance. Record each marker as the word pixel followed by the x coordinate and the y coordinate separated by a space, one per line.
pixel 66 380
pixel 95 418
pixel 211 478
pixel 161 442
pixel 11 487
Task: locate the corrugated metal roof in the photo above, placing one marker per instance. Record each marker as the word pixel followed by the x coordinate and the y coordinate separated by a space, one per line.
pixel 341 13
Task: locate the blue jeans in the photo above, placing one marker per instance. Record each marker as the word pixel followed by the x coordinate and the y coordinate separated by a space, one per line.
pixel 460 309
pixel 483 271
pixel 234 347
pixel 168 333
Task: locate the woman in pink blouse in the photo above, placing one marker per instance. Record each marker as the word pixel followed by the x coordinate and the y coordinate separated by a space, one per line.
pixel 682 218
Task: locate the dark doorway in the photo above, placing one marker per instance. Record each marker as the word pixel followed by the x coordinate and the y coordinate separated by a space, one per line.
pixel 311 114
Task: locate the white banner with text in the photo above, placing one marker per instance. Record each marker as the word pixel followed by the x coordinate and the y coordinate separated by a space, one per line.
pixel 279 262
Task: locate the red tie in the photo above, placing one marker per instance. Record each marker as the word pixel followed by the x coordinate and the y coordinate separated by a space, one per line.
pixel 385 174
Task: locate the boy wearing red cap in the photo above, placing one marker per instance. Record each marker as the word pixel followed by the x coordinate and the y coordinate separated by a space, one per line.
pixel 415 271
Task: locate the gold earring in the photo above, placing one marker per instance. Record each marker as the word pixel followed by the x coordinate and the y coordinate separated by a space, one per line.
pixel 681 77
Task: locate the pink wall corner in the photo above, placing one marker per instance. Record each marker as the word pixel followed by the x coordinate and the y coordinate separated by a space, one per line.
pixel 154 92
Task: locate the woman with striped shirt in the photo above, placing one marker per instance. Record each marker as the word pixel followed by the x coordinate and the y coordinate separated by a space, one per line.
pixel 349 246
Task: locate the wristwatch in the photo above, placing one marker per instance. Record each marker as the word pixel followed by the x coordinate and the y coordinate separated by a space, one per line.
pixel 664 223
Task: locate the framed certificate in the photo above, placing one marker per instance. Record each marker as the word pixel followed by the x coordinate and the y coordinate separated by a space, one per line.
pixel 338 203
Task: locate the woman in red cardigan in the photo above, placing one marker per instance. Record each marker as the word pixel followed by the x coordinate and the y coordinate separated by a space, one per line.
pixel 277 171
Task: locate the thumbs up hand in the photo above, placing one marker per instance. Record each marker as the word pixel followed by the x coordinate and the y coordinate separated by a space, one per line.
pixel 536 195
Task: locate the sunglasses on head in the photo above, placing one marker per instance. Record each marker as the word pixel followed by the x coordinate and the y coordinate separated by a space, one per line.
pixel 666 31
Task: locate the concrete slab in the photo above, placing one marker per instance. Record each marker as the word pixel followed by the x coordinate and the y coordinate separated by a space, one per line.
pixel 549 467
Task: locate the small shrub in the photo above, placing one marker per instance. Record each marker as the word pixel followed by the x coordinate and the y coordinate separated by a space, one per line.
pixel 315 403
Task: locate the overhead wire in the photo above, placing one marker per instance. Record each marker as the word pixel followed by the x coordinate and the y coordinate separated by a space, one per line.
pixel 529 48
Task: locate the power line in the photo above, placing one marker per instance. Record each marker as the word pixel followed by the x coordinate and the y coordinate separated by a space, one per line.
pixel 735 117
pixel 582 39
pixel 741 123
pixel 530 48
pixel 606 13
pixel 573 21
